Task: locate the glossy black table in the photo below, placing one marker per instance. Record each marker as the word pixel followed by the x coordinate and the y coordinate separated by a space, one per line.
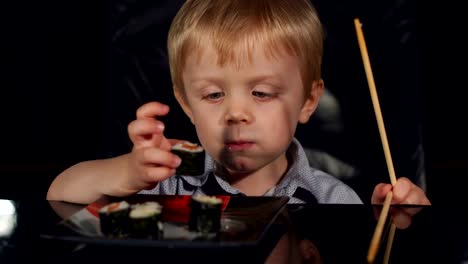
pixel 288 234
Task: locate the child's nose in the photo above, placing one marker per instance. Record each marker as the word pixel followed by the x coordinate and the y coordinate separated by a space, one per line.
pixel 238 113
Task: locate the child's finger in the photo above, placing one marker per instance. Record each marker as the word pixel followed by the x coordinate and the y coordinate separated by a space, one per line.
pixel 154 157
pixel 151 110
pixel 380 191
pixel 406 192
pixel 157 174
pixel 402 190
pixel 143 132
pixel 415 196
pixel 165 144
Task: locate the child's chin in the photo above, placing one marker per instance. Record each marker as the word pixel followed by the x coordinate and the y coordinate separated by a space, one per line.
pixel 239 166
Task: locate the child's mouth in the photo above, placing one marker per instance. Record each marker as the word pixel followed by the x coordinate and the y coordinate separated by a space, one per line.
pixel 239 145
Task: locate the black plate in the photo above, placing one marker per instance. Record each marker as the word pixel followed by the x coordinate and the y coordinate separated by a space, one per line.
pixel 250 227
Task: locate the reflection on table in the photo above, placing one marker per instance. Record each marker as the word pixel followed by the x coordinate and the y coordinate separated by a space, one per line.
pixel 298 234
pixel 341 234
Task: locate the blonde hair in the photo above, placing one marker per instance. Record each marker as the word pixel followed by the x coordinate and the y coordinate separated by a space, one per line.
pixel 233 26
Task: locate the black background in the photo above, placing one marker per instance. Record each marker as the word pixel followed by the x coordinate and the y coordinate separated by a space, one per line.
pixel 62 98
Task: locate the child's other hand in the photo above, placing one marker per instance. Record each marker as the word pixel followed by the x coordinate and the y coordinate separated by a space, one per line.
pixel 150 160
pixel 404 192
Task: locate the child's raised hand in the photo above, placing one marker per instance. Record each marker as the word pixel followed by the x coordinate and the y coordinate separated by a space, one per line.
pixel 404 192
pixel 150 160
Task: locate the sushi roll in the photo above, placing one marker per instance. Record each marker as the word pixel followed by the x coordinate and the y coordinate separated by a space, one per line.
pixel 113 218
pixel 205 214
pixel 193 158
pixel 145 220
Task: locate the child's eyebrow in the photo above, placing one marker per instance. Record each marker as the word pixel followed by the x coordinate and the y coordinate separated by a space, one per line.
pixel 205 79
pixel 250 81
pixel 264 78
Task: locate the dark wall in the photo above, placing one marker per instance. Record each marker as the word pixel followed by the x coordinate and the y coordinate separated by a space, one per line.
pixel 23 97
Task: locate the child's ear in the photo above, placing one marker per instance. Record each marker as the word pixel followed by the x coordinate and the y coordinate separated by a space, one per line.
pixel 183 102
pixel 312 101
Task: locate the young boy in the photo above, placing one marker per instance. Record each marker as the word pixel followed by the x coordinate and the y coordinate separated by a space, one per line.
pixel 246 73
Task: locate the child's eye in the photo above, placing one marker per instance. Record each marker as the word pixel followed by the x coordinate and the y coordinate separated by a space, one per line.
pixel 261 95
pixel 214 96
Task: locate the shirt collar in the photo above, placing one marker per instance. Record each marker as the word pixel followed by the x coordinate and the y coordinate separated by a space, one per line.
pixel 295 176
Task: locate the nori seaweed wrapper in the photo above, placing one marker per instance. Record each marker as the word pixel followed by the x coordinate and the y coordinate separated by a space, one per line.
pixel 146 227
pixel 114 223
pixel 193 163
pixel 205 217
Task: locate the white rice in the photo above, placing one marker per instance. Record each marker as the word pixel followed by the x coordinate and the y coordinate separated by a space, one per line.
pixel 145 210
pixel 188 147
pixel 207 199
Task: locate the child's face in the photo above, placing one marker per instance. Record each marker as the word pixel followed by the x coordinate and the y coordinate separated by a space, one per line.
pixel 245 116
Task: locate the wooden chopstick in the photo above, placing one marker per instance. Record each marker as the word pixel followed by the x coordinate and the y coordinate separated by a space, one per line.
pixel 388 249
pixel 375 242
pixel 375 100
